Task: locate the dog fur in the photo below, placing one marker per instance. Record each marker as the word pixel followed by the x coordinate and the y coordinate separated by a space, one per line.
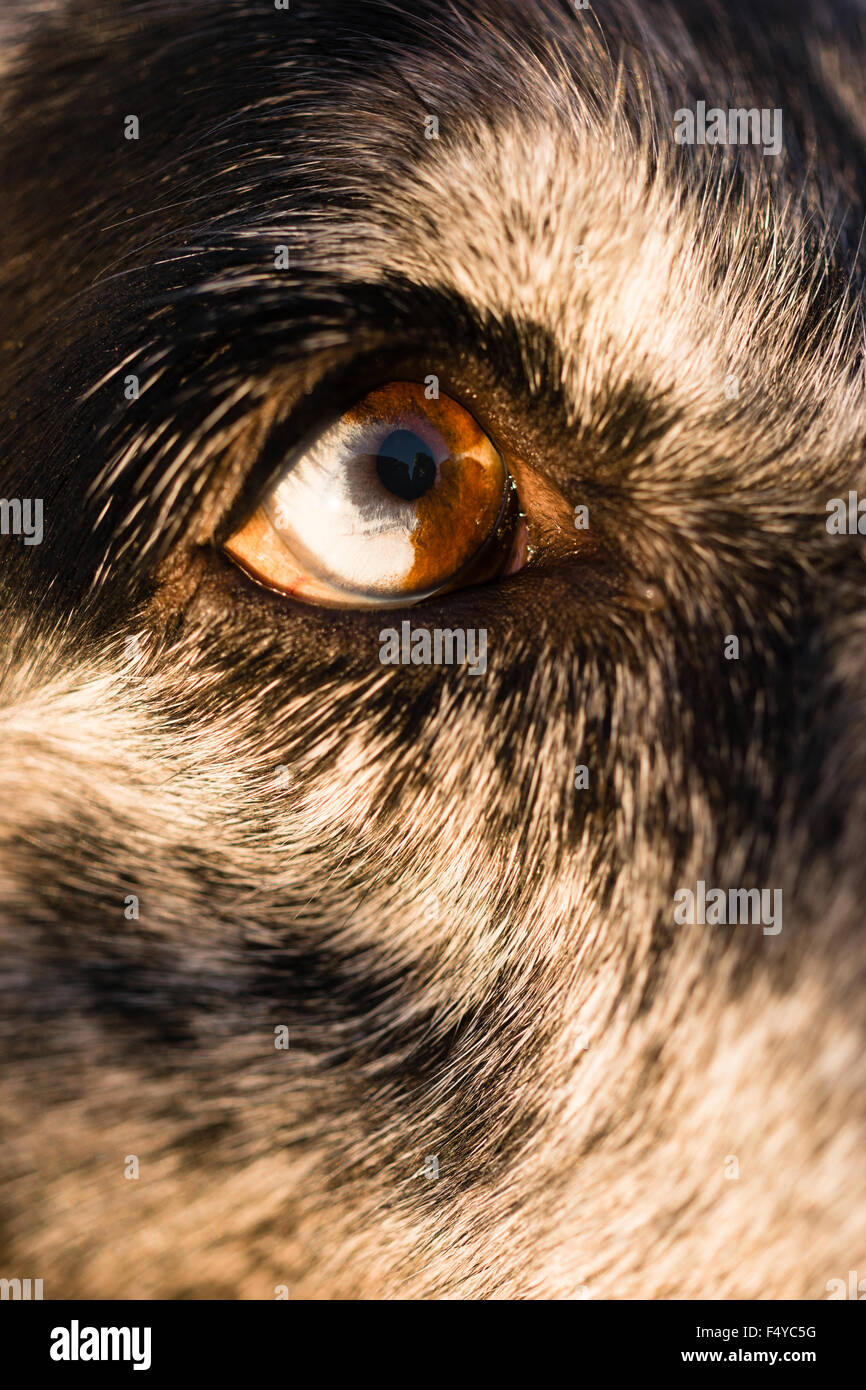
pixel 475 960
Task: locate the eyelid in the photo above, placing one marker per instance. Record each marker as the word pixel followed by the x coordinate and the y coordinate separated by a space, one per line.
pixel 338 382
pixel 333 529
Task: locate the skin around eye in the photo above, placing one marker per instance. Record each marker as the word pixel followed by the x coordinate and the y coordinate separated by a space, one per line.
pixel 391 503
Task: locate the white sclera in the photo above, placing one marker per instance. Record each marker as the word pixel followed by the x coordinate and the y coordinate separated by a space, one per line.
pixel 331 507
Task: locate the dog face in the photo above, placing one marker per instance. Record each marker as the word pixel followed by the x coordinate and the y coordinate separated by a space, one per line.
pixel 512 1070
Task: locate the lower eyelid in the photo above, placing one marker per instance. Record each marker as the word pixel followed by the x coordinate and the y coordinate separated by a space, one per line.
pixel 486 515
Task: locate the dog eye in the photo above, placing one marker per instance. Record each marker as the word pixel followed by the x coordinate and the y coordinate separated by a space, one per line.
pixel 402 497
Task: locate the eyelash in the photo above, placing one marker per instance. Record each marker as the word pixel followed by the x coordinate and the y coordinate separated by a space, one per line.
pixel 550 535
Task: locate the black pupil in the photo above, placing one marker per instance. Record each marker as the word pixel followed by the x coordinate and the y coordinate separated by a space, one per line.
pixel 405 466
